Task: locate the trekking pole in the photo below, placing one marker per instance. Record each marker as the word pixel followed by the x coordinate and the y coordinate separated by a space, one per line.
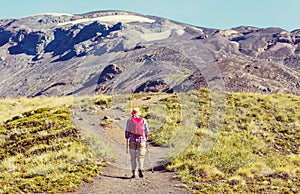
pixel 148 153
pixel 127 153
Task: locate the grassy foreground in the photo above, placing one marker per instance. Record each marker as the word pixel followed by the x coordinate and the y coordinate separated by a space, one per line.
pixel 254 149
pixel 41 150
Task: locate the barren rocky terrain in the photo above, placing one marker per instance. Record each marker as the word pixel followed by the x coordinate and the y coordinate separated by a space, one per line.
pixel 122 52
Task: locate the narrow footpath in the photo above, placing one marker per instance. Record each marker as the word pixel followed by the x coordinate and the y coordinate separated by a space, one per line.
pixel 116 177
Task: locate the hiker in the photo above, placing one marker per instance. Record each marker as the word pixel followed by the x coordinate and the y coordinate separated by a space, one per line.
pixel 137 133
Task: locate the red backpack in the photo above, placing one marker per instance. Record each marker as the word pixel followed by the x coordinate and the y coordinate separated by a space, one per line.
pixel 136 126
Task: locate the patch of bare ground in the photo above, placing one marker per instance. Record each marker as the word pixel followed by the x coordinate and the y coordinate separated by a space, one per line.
pixel 116 180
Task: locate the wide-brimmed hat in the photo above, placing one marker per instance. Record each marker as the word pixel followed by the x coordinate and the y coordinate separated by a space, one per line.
pixel 135 111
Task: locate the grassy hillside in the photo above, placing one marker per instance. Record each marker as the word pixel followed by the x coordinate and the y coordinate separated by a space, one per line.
pixel 41 150
pixel 254 150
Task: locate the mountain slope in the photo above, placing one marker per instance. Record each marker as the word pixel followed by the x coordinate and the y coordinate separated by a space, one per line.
pixel 123 52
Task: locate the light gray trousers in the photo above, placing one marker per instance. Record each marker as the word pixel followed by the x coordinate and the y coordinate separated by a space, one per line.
pixel 137 154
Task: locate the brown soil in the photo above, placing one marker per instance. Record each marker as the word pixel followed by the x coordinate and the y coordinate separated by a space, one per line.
pixel 116 180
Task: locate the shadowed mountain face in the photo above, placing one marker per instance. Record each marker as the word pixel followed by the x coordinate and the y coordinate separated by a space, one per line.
pixel 122 52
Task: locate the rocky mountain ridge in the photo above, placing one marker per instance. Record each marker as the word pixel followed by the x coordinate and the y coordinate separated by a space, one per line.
pixel 123 52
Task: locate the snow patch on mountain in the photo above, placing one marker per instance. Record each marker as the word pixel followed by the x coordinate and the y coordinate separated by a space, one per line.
pixel 156 36
pixel 112 19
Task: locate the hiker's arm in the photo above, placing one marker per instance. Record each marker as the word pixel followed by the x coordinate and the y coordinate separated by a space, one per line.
pixel 147 131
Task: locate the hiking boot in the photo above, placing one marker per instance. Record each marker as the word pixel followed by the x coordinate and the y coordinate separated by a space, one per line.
pixel 141 173
pixel 133 174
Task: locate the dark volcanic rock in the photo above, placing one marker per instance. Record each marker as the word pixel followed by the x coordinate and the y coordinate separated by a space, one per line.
pixel 31 43
pixel 154 86
pixel 109 73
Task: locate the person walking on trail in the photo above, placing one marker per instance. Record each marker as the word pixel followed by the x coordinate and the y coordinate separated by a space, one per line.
pixel 137 133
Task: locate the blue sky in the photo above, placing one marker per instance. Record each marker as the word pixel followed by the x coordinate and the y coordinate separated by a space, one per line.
pixel 219 14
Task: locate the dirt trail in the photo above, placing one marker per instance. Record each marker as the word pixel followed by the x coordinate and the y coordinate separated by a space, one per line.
pixel 115 180
pixel 116 177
